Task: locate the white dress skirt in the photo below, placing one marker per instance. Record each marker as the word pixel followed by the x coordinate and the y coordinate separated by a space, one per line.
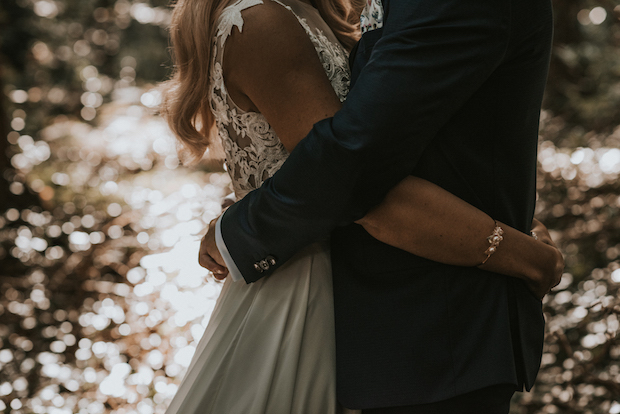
pixel 269 346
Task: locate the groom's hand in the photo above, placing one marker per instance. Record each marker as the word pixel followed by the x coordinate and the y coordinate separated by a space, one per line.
pixel 209 255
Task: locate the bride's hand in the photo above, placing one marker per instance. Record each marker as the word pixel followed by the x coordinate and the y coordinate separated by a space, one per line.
pixel 553 274
pixel 209 256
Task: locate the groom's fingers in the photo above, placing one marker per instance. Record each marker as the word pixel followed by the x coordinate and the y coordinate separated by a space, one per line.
pixel 206 260
pixel 219 272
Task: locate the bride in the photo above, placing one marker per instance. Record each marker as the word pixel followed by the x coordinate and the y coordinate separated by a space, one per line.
pixel 255 75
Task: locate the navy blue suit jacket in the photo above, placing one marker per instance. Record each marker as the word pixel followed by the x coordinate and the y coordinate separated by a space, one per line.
pixel 450 91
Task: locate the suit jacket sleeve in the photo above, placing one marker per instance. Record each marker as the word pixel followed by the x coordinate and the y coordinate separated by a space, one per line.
pixel 431 57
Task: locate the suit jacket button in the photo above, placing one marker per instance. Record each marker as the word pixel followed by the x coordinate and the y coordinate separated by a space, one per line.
pixel 258 268
pixel 264 265
pixel 271 260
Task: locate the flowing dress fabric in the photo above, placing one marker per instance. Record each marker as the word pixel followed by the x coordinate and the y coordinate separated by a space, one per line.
pixel 269 347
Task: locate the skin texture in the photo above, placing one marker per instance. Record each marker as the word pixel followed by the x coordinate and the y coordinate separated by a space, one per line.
pixel 272 68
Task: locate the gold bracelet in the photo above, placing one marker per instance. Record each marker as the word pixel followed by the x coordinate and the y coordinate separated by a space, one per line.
pixel 494 240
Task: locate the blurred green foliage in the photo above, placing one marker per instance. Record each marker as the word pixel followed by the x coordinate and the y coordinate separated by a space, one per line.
pixel 79 189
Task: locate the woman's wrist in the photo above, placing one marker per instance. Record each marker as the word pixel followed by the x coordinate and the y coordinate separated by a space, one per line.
pixel 519 255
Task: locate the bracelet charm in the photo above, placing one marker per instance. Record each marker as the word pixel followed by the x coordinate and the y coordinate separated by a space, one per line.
pixel 494 240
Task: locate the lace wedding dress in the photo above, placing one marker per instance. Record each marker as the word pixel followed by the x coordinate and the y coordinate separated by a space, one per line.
pixel 269 346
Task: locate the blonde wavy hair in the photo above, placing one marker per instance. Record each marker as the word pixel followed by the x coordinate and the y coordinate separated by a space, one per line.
pixel 185 103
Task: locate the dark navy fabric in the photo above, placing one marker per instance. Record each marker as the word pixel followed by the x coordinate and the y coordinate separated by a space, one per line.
pixel 449 91
pixel 489 400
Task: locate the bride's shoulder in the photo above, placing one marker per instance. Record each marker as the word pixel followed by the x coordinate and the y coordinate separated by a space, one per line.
pixel 260 28
pixel 253 15
pixel 265 44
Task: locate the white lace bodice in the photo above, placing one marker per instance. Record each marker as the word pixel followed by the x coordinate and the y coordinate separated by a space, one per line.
pixel 253 150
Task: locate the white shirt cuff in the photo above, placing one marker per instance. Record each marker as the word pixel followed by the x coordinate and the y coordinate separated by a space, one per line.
pixel 233 270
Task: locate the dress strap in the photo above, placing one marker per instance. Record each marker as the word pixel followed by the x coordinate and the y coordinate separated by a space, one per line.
pixel 231 17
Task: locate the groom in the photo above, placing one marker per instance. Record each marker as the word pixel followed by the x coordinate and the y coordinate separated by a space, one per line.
pixel 449 91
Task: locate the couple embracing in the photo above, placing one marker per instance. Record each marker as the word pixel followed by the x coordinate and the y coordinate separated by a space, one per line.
pixel 382 255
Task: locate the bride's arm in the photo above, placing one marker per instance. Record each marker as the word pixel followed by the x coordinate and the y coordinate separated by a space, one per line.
pixel 272 67
pixel 423 219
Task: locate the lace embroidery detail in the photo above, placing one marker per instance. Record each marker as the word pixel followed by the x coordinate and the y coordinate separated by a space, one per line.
pixel 253 150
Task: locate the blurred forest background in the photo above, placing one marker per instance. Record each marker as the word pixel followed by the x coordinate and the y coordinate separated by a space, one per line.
pixel 101 301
